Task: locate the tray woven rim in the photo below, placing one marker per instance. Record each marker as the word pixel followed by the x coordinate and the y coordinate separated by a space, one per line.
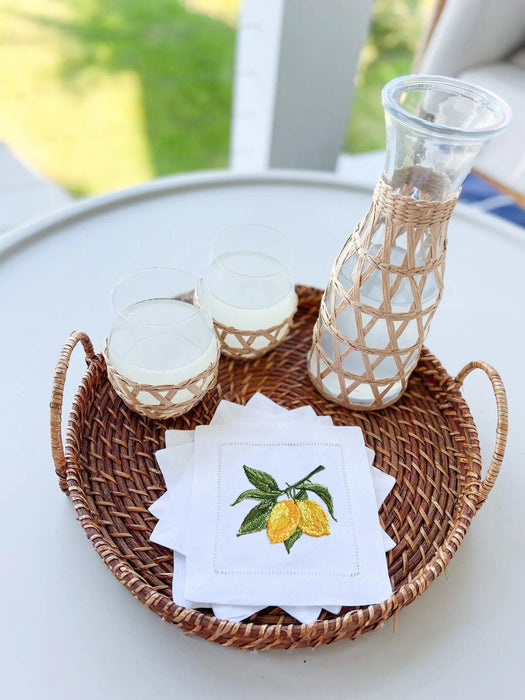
pixel 252 635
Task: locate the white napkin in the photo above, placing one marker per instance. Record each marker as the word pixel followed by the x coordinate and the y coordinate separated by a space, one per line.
pixel 258 408
pixel 172 507
pixel 346 565
pixel 172 531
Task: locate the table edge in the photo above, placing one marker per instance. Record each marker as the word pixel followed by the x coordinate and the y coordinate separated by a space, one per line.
pixel 46 224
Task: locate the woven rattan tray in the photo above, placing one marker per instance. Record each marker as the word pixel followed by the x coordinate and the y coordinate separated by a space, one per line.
pixel 427 440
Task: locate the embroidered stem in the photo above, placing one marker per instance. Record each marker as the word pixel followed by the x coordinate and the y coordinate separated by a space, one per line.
pixel 301 481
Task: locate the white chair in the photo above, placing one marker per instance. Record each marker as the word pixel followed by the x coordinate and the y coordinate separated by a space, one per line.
pixel 295 66
pixel 483 42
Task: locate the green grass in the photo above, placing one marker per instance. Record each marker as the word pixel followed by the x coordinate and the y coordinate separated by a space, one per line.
pixel 101 94
pixel 366 131
pixel 104 93
pixel 395 32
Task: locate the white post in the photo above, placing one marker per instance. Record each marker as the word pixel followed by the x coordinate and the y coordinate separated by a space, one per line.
pixel 294 81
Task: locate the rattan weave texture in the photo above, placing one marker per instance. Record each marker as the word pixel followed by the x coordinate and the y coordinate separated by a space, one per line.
pixel 385 338
pixel 165 399
pixel 427 440
pixel 247 345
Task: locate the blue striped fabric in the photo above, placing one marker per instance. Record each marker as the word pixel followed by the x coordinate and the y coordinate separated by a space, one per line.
pixel 482 195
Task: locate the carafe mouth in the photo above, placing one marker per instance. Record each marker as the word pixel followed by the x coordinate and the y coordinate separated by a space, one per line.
pixel 445 107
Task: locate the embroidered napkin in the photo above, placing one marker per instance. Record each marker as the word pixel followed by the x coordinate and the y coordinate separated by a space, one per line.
pixel 175 465
pixel 304 541
pixel 172 508
pixel 170 533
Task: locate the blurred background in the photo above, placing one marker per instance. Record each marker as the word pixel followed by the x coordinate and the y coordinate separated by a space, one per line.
pixel 101 94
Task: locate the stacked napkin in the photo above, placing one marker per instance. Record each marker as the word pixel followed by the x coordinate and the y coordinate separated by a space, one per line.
pixel 269 507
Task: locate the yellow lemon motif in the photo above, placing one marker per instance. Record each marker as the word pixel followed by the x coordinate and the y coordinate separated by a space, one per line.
pixel 314 520
pixel 282 521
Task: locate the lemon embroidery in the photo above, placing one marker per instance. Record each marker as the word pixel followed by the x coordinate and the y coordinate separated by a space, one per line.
pixel 283 521
pixel 288 519
pixel 313 520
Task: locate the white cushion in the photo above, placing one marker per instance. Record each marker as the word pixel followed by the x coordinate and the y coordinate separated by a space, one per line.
pixel 472 33
pixel 504 159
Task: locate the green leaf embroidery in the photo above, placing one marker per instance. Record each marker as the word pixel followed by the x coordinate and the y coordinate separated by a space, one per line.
pixel 256 518
pixel 256 494
pixel 301 496
pixel 323 494
pixel 261 480
pixel 289 543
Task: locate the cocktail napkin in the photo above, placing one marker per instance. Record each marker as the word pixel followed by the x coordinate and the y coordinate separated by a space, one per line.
pixel 259 408
pixel 306 540
pixel 172 509
pixel 172 532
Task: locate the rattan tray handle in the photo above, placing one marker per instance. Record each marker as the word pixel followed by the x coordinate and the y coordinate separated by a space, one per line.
pixel 57 397
pixel 502 426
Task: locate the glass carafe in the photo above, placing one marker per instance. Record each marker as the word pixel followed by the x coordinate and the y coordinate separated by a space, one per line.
pixel 388 279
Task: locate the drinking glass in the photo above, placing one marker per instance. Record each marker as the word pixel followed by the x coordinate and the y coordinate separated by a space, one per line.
pixel 162 352
pixel 250 291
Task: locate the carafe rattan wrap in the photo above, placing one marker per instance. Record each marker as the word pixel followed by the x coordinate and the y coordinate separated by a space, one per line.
pixel 424 224
pixel 427 440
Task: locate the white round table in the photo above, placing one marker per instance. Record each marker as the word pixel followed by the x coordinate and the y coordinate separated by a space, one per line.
pixel 69 630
